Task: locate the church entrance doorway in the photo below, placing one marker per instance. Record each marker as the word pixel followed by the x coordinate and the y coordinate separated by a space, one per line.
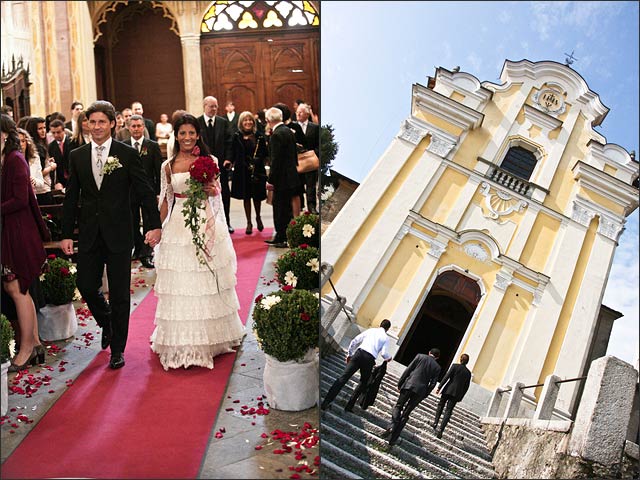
pixel 442 319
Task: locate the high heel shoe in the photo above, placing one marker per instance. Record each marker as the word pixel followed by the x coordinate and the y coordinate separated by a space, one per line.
pixel 41 353
pixel 30 361
pixel 260 225
pixel 249 229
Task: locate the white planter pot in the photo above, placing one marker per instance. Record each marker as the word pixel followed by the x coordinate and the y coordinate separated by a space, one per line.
pixel 4 394
pixel 292 386
pixel 57 322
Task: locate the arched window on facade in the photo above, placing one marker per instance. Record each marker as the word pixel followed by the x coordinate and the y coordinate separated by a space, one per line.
pixel 260 15
pixel 520 162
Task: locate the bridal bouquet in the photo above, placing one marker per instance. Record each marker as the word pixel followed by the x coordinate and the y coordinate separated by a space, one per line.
pixel 203 170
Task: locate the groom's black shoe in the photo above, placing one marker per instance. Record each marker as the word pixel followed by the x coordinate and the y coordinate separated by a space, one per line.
pixel 117 361
pixel 106 336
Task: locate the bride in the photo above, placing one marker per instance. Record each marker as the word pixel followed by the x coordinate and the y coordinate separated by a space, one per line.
pixel 197 314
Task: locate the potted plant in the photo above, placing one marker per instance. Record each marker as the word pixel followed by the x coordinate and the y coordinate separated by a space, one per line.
pixel 57 319
pixel 305 228
pixel 286 324
pixel 299 267
pixel 7 351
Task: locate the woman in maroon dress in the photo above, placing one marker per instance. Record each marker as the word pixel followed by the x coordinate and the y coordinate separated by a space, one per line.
pixel 23 254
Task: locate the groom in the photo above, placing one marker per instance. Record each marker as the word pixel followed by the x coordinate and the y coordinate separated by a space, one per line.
pixel 102 173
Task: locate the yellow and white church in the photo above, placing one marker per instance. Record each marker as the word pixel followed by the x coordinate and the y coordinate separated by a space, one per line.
pixel 488 227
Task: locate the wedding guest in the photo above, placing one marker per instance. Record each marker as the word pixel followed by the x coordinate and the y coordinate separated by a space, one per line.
pixel 362 354
pixel 172 139
pixel 163 129
pixel 248 182
pixel 36 126
pixel 28 149
pixel 22 254
pixel 119 122
pixel 82 132
pixel 454 386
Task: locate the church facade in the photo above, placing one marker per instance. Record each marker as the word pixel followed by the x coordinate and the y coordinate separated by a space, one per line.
pixel 488 227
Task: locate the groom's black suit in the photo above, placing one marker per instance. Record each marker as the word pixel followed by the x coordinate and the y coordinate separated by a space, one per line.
pixel 105 233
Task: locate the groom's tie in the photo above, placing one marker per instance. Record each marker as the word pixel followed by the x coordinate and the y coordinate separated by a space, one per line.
pixel 99 150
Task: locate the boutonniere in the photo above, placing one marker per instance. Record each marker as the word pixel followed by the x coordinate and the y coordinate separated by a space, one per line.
pixel 143 151
pixel 111 165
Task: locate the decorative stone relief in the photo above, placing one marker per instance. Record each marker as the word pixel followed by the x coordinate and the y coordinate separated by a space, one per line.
pixel 411 133
pixel 582 214
pixel 502 281
pixel 550 101
pixel 403 231
pixel 500 203
pixel 437 249
pixel 609 228
pixel 440 146
pixel 537 297
pixel 475 250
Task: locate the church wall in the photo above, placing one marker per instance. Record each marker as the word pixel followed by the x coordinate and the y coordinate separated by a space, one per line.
pixel 449 187
pixel 541 240
pixel 496 353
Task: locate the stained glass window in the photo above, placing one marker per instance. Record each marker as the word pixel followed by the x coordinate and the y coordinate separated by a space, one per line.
pixel 225 16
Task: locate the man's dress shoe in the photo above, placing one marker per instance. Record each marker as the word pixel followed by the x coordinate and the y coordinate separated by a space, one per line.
pixel 117 361
pixel 280 245
pixel 106 337
pixel 231 229
pixel 147 262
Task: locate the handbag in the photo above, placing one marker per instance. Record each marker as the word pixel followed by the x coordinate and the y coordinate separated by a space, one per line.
pixel 255 177
pixel 308 162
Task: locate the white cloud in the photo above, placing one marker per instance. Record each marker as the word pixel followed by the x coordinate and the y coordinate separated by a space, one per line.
pixel 504 17
pixel 475 61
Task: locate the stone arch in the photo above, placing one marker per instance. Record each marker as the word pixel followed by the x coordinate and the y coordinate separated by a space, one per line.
pixel 478 236
pixel 100 11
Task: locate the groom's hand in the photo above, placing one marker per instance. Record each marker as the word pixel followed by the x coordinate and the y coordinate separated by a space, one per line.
pixel 152 238
pixel 66 245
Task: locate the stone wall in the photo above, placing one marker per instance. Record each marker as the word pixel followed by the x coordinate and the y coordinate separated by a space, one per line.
pixel 526 452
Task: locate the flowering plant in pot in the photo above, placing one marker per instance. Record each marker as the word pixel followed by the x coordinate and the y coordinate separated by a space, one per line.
pixel 299 268
pixel 7 351
pixel 57 320
pixel 286 324
pixel 305 228
pixel 58 281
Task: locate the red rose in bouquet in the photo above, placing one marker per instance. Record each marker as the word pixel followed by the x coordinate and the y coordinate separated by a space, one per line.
pixel 204 170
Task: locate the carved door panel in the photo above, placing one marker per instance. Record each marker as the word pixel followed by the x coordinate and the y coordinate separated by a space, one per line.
pixel 256 71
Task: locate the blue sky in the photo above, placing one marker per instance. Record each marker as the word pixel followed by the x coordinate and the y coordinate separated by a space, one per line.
pixel 372 53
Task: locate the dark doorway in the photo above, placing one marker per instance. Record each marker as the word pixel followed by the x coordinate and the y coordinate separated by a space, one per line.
pixel 442 319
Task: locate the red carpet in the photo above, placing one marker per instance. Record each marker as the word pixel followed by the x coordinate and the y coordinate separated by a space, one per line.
pixel 140 421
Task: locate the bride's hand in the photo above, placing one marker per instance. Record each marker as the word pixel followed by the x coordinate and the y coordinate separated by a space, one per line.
pixel 211 189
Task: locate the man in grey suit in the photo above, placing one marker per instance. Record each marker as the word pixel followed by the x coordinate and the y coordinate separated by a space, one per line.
pixel 415 384
pixel 454 386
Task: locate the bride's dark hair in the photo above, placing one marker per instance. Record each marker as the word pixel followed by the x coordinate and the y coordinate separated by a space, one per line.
pixel 188 119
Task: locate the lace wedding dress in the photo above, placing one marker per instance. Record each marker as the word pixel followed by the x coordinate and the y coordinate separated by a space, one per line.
pixel 197 313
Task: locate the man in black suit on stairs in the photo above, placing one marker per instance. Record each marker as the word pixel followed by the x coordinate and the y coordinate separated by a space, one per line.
pixel 454 386
pixel 415 384
pixel 102 174
pixel 217 135
pixel 312 142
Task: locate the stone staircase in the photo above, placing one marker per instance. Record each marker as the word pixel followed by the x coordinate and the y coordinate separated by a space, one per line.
pixel 351 446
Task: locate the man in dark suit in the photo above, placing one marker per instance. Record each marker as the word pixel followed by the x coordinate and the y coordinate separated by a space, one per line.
pixel 283 176
pixel 102 173
pixel 231 116
pixel 59 149
pixel 151 158
pixel 415 384
pixel 76 109
pixel 454 386
pixel 217 135
pixel 136 108
pixel 311 142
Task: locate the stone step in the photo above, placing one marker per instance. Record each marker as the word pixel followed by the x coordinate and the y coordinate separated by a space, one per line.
pixel 451 449
pixel 351 463
pixel 331 471
pixel 388 395
pixel 423 452
pixel 394 371
pixel 376 458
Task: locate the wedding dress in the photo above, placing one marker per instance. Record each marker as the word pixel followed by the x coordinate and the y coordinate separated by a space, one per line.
pixel 197 313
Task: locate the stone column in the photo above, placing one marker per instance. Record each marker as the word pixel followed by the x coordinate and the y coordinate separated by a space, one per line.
pixel 514 401
pixel 192 66
pixel 600 427
pixel 83 68
pixel 462 203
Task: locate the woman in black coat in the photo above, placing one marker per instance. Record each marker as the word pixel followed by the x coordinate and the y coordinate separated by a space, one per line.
pixel 248 181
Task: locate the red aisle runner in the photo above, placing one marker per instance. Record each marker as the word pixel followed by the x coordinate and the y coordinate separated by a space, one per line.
pixel 139 421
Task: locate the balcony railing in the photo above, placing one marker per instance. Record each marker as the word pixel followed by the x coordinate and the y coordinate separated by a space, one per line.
pixel 510 181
